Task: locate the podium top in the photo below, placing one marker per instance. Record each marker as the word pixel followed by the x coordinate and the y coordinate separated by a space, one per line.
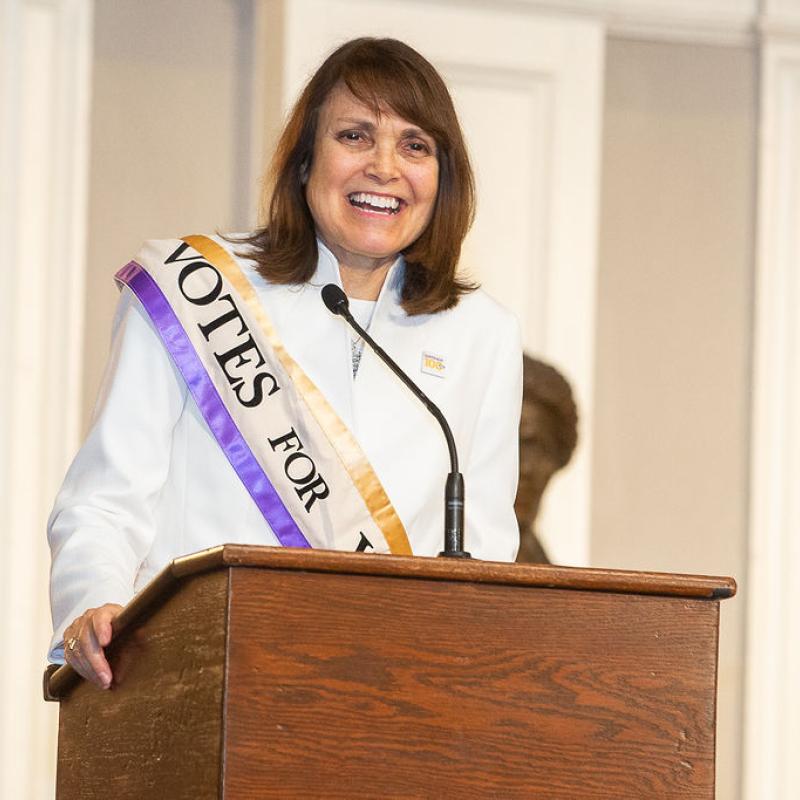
pixel 58 680
pixel 450 569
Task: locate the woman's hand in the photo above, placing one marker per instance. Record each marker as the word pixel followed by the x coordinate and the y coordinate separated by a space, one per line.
pixel 84 640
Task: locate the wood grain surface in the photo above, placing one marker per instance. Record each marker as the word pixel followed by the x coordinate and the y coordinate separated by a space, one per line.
pixel 368 686
pixel 158 732
pixel 58 682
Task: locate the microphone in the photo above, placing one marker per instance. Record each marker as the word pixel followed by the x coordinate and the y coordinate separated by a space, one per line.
pixel 336 302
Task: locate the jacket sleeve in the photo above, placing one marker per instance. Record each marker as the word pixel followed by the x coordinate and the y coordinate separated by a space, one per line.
pixel 101 526
pixel 492 469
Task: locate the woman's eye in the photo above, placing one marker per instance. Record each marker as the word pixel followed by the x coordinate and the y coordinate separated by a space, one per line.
pixel 351 136
pixel 418 147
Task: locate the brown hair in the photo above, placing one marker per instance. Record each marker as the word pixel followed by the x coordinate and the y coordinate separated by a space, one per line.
pixel 379 73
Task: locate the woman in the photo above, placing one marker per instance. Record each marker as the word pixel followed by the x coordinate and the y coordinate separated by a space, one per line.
pixel 372 190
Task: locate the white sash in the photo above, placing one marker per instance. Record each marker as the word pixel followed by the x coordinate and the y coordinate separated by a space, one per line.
pixel 300 463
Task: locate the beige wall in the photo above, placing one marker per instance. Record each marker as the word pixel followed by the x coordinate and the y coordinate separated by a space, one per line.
pixel 170 138
pixel 674 329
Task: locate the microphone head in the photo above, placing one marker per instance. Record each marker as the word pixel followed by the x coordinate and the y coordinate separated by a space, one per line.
pixel 334 298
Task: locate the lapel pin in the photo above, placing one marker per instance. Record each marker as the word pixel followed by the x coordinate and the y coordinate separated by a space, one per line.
pixel 433 365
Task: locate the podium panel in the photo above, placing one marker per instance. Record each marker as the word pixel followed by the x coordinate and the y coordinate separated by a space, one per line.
pixel 255 672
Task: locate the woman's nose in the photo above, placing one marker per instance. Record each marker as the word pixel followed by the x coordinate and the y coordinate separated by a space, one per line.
pixel 383 164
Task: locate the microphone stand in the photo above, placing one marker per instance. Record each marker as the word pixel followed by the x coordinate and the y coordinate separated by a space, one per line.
pixel 336 302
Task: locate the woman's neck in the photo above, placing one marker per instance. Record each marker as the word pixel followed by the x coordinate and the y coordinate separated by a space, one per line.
pixel 363 284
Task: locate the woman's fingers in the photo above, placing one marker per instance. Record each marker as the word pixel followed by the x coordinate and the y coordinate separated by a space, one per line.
pixel 73 653
pixel 101 622
pixel 92 652
pixel 84 641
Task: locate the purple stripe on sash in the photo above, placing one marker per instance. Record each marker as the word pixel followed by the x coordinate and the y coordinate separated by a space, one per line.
pixel 209 402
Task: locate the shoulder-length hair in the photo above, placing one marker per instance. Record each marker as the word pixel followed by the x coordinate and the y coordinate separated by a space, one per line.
pixel 379 73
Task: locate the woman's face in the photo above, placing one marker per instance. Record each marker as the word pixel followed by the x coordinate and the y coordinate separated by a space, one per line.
pixel 373 181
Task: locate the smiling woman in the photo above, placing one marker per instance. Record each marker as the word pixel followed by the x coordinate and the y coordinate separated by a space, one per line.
pixel 231 410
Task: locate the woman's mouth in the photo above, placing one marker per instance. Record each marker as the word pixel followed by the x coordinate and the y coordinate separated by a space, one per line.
pixel 376 203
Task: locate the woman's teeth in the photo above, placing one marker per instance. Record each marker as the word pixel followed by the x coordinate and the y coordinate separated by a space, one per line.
pixel 374 202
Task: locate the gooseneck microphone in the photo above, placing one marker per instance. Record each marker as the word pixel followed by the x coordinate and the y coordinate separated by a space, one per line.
pixel 336 302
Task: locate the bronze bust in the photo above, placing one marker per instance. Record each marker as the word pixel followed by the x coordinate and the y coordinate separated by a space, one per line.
pixel 547 438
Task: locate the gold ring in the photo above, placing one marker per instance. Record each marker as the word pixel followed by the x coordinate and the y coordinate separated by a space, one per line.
pixel 72 643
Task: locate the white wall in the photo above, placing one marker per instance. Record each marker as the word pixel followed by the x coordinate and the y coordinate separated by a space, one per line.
pixel 45 47
pixel 772 709
pixel 171 134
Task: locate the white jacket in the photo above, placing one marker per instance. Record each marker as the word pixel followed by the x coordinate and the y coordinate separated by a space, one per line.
pixel 150 483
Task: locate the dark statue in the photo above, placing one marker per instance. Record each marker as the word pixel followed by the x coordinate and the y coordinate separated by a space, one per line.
pixel 547 438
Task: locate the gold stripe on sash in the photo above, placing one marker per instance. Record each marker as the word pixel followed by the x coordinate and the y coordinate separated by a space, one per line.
pixel 347 448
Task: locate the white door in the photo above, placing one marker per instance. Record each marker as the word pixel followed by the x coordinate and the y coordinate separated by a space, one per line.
pixel 528 88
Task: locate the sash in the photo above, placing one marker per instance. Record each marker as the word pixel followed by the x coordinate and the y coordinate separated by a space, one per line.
pixel 299 462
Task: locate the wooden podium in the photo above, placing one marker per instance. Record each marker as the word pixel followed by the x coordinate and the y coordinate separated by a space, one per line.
pixel 247 672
